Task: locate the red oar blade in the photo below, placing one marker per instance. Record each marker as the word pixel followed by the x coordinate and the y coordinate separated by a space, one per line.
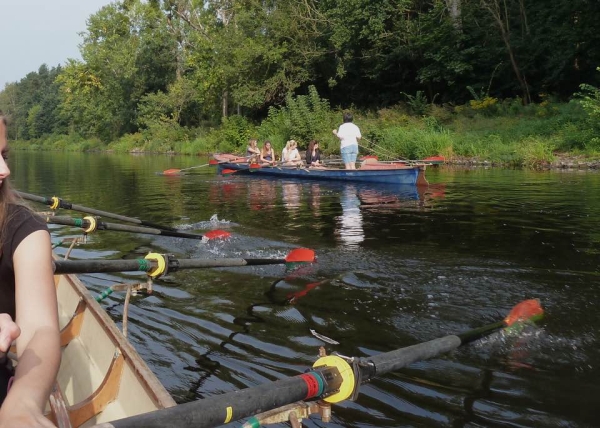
pixel 228 171
pixel 526 310
pixel 213 162
pixel 301 255
pixel 217 234
pixel 254 166
pixel 171 171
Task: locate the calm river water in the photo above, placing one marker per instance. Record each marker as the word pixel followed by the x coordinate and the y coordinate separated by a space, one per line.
pixel 397 266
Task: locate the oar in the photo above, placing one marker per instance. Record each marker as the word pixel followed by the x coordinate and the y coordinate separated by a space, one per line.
pixel 55 203
pixel 252 167
pixel 175 171
pixel 90 224
pixel 331 379
pixel 169 263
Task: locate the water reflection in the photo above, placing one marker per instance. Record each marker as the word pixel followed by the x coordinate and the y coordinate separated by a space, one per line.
pixel 314 199
pixel 350 224
pixel 290 193
pixel 262 195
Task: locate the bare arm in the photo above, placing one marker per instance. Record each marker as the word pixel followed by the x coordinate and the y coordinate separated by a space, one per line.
pixel 38 346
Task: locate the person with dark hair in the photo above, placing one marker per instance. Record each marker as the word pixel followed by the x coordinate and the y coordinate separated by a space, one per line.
pixel 349 134
pixel 28 308
pixel 313 154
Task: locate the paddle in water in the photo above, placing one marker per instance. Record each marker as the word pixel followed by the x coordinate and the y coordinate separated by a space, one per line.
pixel 212 162
pixel 177 171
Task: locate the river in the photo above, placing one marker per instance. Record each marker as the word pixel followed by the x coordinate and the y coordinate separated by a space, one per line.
pixel 395 267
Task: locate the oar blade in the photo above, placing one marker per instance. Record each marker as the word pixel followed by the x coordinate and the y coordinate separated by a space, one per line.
pixel 300 255
pixel 227 171
pixel 213 162
pixel 172 171
pixel 217 234
pixel 526 310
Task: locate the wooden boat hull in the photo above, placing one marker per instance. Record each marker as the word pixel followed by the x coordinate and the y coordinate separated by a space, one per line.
pixel 368 173
pixel 101 378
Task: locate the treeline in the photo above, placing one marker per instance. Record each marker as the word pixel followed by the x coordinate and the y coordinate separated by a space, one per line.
pixel 170 70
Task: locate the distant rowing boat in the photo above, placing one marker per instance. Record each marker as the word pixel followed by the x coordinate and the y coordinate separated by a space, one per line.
pixel 370 171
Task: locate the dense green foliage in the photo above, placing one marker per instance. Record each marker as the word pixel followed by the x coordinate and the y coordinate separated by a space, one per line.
pixel 190 76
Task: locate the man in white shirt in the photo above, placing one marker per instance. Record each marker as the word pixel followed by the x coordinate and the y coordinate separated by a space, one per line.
pixel 349 134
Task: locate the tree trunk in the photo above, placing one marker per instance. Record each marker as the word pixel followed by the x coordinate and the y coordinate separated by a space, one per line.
pixel 501 19
pixel 225 103
pixel 454 9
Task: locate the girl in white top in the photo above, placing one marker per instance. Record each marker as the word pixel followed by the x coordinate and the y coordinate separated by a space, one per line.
pixel 290 154
pixel 349 134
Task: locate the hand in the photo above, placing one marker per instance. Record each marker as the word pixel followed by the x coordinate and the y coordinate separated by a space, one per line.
pixel 9 331
pixel 23 415
pixel 334 132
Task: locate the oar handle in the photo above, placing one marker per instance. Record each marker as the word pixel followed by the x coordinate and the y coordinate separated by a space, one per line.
pixel 69 206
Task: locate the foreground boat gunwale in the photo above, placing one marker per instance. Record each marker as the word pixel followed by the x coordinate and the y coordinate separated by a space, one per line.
pixel 112 394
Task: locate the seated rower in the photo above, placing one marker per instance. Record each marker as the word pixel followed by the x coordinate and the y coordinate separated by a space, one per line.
pixel 267 154
pixel 252 151
pixel 290 154
pixel 313 154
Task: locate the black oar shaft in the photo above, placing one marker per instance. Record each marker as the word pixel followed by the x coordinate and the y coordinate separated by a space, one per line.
pixel 191 263
pixel 69 206
pixel 144 265
pixel 84 223
pixel 394 360
pixel 220 409
pixel 100 266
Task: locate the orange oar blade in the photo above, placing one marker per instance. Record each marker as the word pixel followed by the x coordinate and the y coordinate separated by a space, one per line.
pixel 228 171
pixel 213 162
pixel 217 234
pixel 171 171
pixel 301 255
pixel 526 310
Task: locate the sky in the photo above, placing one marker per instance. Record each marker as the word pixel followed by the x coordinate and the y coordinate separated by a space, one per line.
pixel 36 32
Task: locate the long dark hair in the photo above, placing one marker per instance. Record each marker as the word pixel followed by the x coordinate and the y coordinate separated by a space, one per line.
pixel 264 150
pixel 7 196
pixel 311 146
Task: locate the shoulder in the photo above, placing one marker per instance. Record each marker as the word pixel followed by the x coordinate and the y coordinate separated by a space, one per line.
pixel 18 214
pixel 21 222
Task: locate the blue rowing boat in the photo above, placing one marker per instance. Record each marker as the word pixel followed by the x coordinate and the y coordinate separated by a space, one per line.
pixel 369 172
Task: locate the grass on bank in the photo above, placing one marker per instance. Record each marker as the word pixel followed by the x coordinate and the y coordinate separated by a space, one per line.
pixel 504 133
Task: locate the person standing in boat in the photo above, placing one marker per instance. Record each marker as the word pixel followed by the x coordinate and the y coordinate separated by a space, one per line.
pixel 267 154
pixel 28 308
pixel 313 154
pixel 349 134
pixel 252 151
